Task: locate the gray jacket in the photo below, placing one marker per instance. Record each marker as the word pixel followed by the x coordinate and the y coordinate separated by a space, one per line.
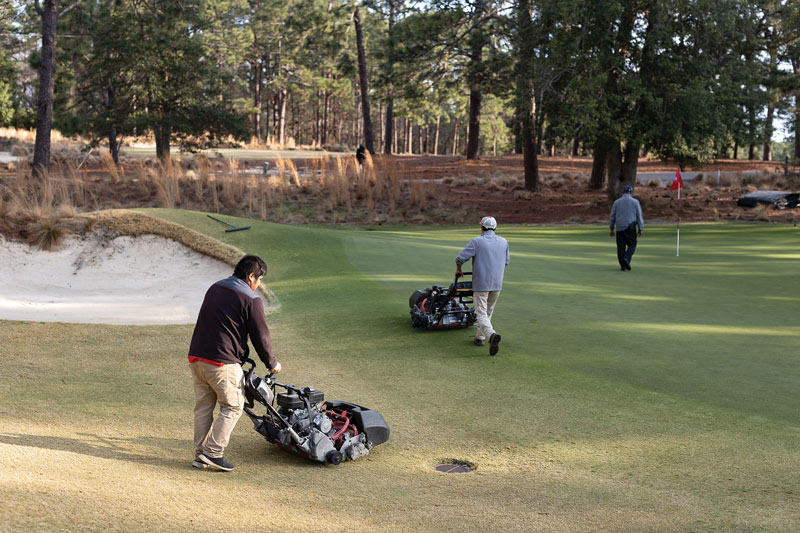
pixel 626 211
pixel 489 254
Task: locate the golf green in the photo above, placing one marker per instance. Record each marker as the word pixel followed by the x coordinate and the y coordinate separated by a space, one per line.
pixel 664 398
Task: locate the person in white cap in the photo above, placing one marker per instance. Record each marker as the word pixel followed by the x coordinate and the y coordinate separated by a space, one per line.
pixel 489 254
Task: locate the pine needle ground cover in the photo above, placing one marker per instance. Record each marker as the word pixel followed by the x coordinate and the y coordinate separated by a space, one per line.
pixel 665 398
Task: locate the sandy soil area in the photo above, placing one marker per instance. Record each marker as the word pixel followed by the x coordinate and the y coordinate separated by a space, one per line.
pixel 127 280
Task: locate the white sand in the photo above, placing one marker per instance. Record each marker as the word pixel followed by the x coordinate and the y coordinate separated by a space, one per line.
pixel 129 280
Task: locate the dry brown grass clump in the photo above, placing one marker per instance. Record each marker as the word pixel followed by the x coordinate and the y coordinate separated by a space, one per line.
pixel 763 212
pixel 45 233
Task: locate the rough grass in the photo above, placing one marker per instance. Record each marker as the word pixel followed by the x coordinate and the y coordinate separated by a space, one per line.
pixel 662 399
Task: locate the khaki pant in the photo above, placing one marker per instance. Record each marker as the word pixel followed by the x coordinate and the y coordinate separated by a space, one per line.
pixel 212 384
pixel 484 307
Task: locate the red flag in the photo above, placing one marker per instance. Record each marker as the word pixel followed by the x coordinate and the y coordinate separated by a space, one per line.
pixel 677 183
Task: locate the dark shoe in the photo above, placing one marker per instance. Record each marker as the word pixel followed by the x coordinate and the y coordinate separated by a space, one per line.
pixel 627 265
pixel 479 342
pixel 494 343
pixel 216 462
pixel 198 464
pixel 622 268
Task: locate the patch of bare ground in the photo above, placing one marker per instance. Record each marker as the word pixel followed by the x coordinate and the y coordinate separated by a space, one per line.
pixel 385 190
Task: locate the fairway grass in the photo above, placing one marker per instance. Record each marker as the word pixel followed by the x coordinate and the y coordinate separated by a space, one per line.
pixel 661 399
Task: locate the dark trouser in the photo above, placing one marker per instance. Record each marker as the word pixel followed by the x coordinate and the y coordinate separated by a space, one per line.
pixel 626 244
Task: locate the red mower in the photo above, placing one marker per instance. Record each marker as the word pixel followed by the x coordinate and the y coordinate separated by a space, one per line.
pixel 440 307
pixel 308 426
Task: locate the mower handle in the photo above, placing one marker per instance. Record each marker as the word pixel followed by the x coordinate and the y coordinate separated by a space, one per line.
pixel 269 378
pixel 454 287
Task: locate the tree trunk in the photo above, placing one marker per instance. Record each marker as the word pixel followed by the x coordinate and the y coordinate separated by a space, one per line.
pixel 381 128
pixel 387 142
pixel 282 117
pixel 478 40
pixel 797 129
pixel 751 111
pixel 326 103
pixel 455 137
pixel 473 133
pixel 766 154
pixel 113 145
pixel 539 133
pixel 436 136
pixel 162 135
pixel 622 167
pixel 525 97
pixel 599 158
pixel 47 74
pixel 362 77
pixel 318 121
pixel 389 136
pixel 257 100
pixel 736 149
pixel 576 145
pixel 530 158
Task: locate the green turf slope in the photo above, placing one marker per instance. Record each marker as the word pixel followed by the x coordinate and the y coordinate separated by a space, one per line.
pixel 665 398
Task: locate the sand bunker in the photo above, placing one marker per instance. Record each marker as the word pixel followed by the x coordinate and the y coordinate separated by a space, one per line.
pixel 127 280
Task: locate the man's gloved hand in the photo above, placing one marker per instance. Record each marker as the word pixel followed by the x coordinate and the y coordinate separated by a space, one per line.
pixel 276 369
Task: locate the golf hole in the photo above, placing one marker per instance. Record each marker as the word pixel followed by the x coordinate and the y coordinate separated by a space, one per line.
pixel 455 466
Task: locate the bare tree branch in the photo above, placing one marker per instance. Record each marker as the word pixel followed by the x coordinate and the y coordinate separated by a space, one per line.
pixel 66 9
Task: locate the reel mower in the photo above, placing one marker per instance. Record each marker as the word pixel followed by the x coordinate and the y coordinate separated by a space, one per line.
pixel 308 426
pixel 440 307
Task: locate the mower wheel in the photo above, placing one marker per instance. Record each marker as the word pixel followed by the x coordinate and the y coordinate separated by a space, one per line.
pixel 334 457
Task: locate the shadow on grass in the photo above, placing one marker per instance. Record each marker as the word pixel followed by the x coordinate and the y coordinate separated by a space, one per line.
pixel 105 447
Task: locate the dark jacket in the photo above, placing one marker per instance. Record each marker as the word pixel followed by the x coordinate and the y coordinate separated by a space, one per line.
pixel 231 312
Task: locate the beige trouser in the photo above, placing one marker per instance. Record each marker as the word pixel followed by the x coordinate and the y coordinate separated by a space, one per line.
pixel 484 307
pixel 212 384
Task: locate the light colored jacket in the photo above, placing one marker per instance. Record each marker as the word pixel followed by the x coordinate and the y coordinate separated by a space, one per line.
pixel 626 211
pixel 490 255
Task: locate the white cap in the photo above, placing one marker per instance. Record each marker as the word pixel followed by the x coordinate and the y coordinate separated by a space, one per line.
pixel 488 222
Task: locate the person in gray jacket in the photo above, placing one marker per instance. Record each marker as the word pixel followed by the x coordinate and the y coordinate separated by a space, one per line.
pixel 626 214
pixel 489 254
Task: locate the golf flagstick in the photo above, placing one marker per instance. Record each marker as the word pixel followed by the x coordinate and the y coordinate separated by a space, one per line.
pixel 677 183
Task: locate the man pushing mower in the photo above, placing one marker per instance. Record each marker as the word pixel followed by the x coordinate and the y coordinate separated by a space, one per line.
pixel 231 313
pixel 490 255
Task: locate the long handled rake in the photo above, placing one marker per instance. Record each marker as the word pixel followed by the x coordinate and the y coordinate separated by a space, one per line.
pixel 231 228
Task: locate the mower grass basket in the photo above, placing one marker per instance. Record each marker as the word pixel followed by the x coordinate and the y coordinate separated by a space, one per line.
pixel 306 425
pixel 440 307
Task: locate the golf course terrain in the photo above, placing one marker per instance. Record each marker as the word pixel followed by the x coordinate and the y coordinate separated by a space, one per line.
pixel 666 398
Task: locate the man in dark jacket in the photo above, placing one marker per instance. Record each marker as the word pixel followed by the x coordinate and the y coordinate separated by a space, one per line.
pixel 231 312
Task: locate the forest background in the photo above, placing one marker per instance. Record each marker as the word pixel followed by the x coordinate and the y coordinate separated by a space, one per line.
pixel 689 81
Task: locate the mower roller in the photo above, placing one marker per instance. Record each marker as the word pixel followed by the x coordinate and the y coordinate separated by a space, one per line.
pixel 308 426
pixel 439 307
